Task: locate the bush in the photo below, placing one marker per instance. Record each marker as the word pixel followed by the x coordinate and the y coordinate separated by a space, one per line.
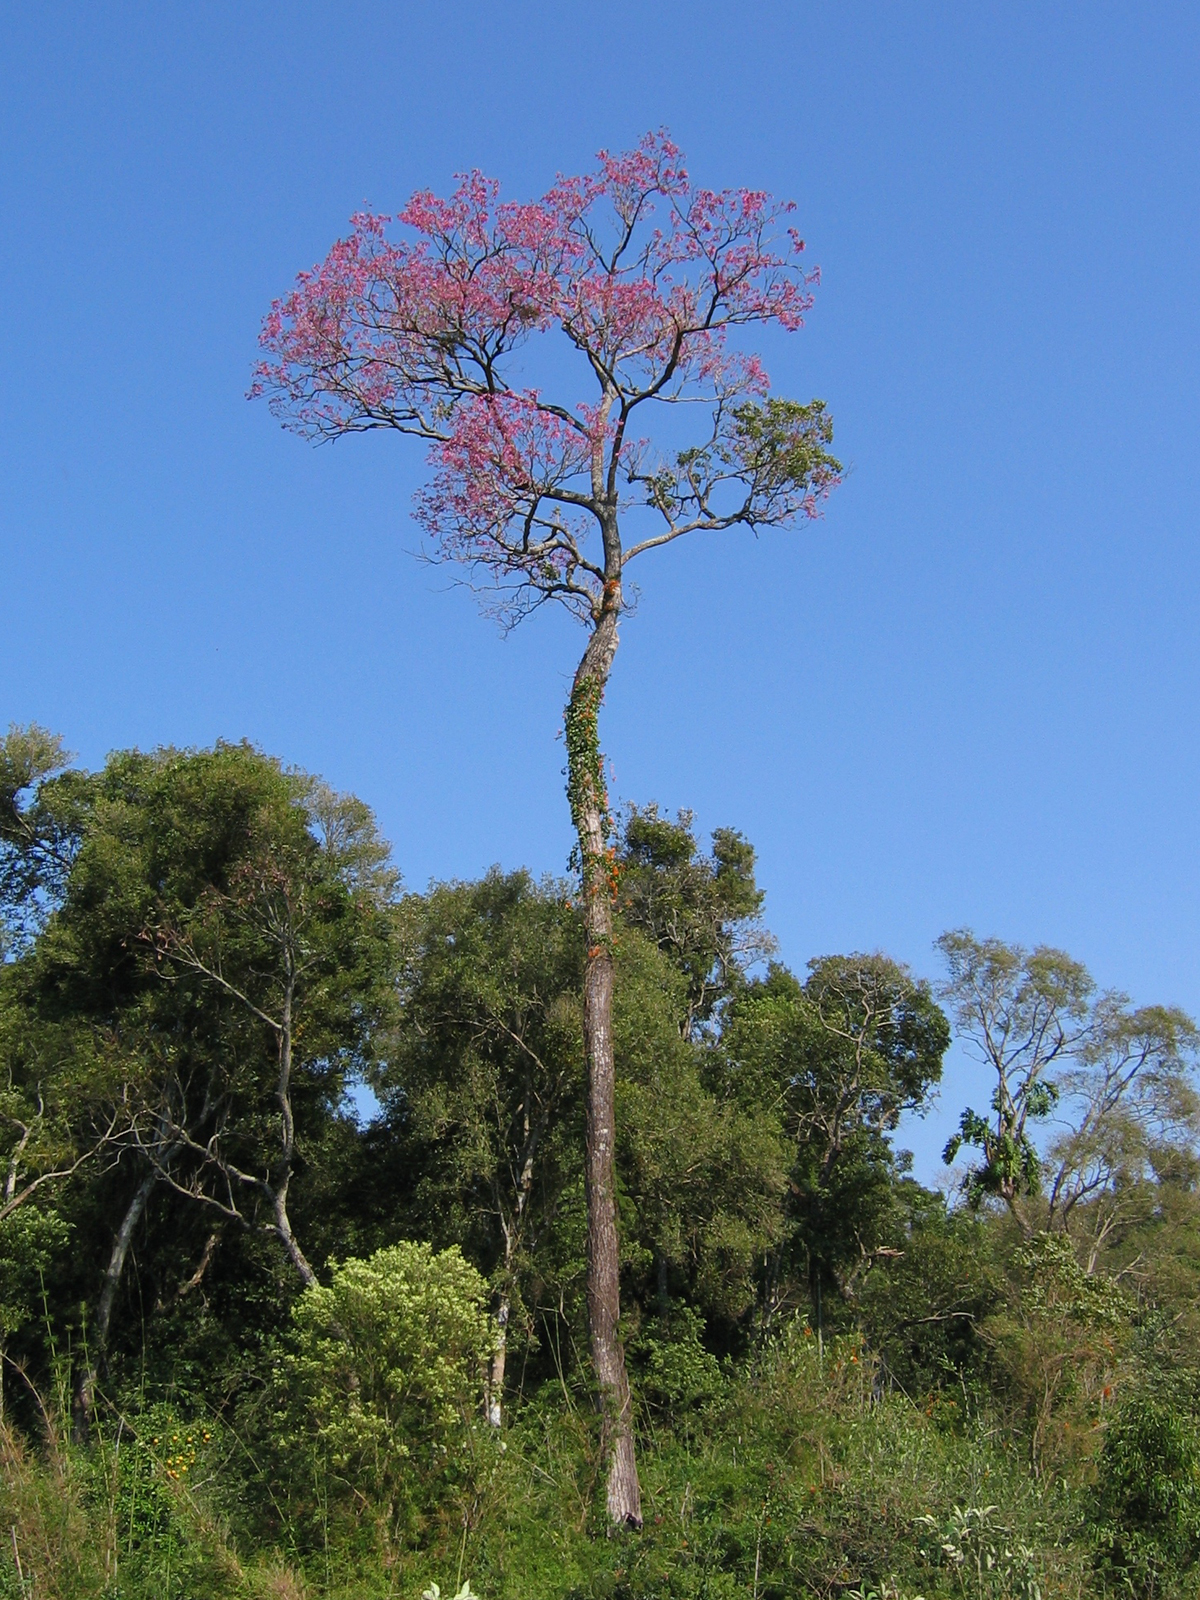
pixel 127 1517
pixel 384 1370
pixel 679 1372
pixel 1147 1513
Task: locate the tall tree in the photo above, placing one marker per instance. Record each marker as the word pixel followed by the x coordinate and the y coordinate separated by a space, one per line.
pixel 701 910
pixel 844 1055
pixel 209 909
pixel 485 1072
pixel 50 1125
pixel 1117 1082
pixel 704 1167
pixel 643 276
pixel 293 949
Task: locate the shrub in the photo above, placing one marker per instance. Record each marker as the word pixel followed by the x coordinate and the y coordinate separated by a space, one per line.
pixel 1147 1511
pixel 385 1367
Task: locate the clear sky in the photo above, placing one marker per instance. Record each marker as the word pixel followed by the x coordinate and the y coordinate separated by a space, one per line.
pixel 967 696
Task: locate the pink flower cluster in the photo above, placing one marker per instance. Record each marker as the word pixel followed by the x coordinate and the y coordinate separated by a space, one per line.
pixel 643 273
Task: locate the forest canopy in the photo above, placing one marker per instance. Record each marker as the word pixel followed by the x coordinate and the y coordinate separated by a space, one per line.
pixel 292 1233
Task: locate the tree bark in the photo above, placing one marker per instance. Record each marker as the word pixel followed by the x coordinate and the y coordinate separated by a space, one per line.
pixel 287 1124
pixel 589 810
pixel 513 1233
pixel 495 1402
pixel 94 1359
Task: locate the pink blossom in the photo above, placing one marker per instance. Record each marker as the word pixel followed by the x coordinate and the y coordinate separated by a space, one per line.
pixel 646 275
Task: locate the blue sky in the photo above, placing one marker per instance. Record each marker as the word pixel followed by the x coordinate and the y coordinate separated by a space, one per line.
pixel 967 696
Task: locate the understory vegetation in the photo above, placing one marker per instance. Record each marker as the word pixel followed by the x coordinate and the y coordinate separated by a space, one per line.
pixel 292 1230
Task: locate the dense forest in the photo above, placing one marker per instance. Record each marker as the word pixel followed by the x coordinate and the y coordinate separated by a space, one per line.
pixel 292 1262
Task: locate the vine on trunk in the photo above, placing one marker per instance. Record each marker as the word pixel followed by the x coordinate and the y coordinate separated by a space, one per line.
pixel 585 783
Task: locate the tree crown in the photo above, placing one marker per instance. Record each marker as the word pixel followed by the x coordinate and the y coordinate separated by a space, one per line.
pixel 644 275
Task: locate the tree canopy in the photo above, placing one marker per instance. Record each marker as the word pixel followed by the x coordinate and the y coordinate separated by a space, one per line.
pixel 307 1333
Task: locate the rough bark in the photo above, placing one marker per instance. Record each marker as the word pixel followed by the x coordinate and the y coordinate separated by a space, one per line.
pixel 589 809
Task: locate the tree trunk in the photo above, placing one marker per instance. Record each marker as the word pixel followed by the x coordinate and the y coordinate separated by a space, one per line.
pixel 513 1234
pixel 589 812
pixel 287 1128
pixel 495 1404
pixel 94 1359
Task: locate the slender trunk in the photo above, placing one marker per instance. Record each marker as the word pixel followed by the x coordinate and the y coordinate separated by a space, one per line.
pixel 513 1234
pixel 114 1272
pixel 291 1244
pixel 14 1165
pixel 279 1194
pixel 495 1406
pixel 589 812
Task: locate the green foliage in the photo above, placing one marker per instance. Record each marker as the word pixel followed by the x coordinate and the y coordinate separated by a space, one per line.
pixel 982 1556
pixel 678 1372
pixel 30 1240
pixel 776 449
pixel 843 1384
pixel 923 1307
pixel 1146 1515
pixel 132 1517
pixel 784 441
pixel 383 1373
pixel 702 911
pixel 843 1055
pixel 703 1172
pixel 139 1030
pixel 586 788
pixel 1056 1345
pixel 38 831
pixel 1024 1013
pixel 484 1071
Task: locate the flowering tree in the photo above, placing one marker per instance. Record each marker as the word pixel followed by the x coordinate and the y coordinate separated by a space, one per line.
pixel 642 277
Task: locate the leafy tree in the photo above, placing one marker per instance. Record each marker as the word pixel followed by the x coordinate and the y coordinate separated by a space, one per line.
pixel 1119 1080
pixel 924 1304
pixel 201 889
pixel 700 910
pixel 1129 1116
pixel 1021 1013
pixel 704 1170
pixel 485 1072
pixel 295 948
pixel 1057 1346
pixel 1146 1514
pixel 843 1055
pixel 644 276
pixel 57 1111
pixel 30 1239
pixel 483 1096
pixel 62 1109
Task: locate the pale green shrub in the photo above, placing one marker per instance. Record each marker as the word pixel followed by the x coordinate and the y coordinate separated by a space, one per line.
pixel 385 1370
